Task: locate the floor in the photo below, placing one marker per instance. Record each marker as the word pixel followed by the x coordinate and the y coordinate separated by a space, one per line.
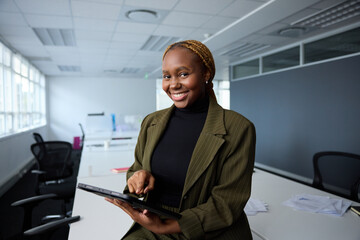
pixel 11 218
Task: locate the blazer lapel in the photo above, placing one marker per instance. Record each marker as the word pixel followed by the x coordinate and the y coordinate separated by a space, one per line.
pixel 154 132
pixel 208 144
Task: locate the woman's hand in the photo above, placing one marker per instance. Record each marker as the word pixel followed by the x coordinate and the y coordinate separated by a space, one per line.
pixel 141 182
pixel 148 220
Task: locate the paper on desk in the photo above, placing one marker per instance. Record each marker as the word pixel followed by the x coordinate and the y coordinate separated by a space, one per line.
pixel 253 206
pixel 318 204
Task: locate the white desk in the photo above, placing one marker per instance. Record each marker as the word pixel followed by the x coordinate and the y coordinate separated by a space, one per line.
pixel 110 134
pixel 99 162
pixel 99 218
pixel 284 223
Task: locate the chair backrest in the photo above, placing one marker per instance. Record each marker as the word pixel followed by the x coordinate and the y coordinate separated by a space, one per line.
pixel 53 158
pixel 338 173
pixel 38 138
pixel 83 135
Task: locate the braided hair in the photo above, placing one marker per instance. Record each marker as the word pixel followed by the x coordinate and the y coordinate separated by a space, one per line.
pixel 204 54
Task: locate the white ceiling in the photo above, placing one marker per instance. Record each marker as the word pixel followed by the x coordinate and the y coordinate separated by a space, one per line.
pixel 108 43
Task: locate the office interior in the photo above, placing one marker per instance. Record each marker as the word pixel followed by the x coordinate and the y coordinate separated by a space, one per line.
pixel 105 56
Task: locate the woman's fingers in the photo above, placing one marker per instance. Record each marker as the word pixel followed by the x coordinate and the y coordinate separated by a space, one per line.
pixel 141 182
pixel 127 208
pixel 151 184
pixel 140 186
pixel 130 186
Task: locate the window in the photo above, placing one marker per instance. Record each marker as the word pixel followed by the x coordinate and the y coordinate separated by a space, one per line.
pixel 245 69
pixel 338 45
pixel 328 48
pixel 22 94
pixel 222 93
pixel 283 59
pixel 221 89
pixel 162 99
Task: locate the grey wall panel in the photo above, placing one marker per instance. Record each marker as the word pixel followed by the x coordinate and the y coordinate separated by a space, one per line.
pixel 302 111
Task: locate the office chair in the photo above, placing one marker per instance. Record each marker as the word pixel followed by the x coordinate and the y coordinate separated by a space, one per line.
pixel 38 138
pixel 55 180
pixel 54 173
pixel 83 135
pixel 337 173
pixel 52 160
pixel 44 231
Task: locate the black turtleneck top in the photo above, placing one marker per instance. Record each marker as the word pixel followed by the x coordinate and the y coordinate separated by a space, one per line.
pixel 171 157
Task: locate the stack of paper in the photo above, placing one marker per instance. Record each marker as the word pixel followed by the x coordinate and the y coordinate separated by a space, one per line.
pixel 318 204
pixel 253 206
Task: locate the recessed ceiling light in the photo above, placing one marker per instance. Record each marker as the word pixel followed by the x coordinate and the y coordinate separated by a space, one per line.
pixel 142 15
pixel 292 32
pixel 56 37
pixel 68 68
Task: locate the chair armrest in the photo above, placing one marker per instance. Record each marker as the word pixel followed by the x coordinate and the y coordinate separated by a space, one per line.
pixel 38 172
pixel 51 226
pixel 33 200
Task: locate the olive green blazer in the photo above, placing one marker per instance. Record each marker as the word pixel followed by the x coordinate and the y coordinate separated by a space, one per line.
pixel 218 180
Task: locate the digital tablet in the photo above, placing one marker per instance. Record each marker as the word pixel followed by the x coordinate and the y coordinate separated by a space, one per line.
pixel 134 202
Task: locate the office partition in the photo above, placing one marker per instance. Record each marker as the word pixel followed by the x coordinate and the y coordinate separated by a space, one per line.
pixel 301 111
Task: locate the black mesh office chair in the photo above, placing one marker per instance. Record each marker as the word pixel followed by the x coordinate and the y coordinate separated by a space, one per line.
pixel 46 230
pixel 38 138
pixel 54 172
pixel 83 135
pixel 55 180
pixel 337 173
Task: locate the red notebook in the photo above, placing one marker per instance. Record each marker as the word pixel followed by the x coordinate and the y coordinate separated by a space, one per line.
pixel 119 170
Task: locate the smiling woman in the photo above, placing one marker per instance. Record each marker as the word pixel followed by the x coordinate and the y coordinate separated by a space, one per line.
pixel 194 158
pixel 183 81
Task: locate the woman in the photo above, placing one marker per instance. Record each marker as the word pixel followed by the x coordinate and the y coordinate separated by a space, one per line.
pixel 194 158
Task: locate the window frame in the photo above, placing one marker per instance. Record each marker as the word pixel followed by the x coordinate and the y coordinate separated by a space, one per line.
pixel 301 45
pixel 23 94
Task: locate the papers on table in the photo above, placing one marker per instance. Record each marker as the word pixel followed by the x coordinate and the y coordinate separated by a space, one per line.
pixel 253 206
pixel 318 204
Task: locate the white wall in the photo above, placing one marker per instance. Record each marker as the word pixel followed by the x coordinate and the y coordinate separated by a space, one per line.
pixel 15 154
pixel 71 99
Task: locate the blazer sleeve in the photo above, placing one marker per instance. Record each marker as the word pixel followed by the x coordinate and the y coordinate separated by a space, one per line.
pixel 230 193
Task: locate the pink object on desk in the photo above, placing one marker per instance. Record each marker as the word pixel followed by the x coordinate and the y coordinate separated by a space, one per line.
pixel 119 170
pixel 76 144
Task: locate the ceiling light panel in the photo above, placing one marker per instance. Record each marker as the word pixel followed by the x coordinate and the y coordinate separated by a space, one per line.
pixel 55 37
pixel 244 49
pixel 128 70
pixel 158 43
pixel 66 68
pixel 332 15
